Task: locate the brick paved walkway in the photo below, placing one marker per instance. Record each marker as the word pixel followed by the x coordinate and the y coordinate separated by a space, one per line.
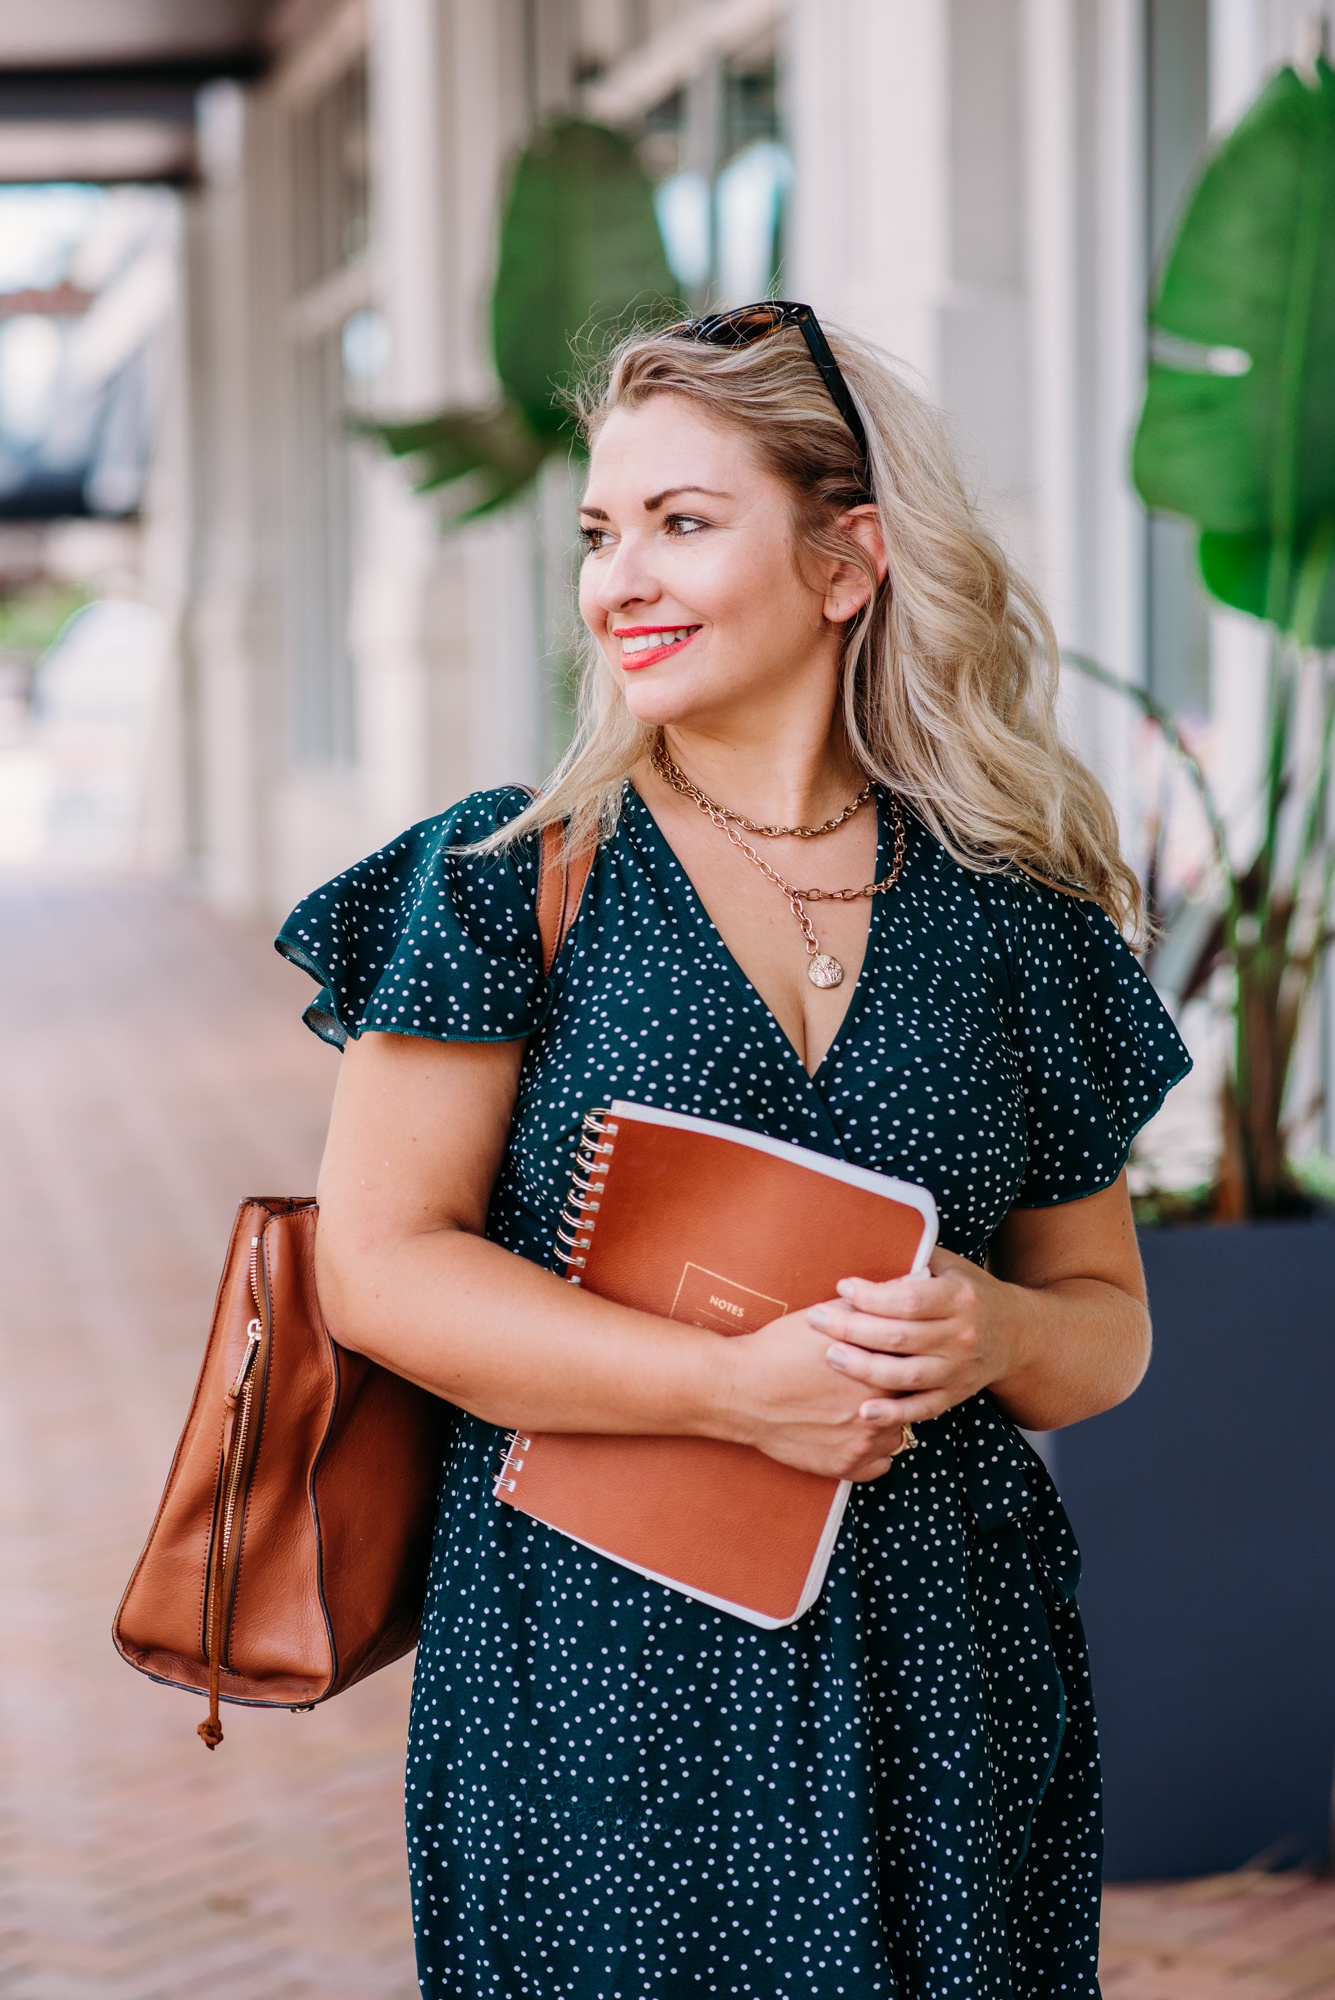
pixel 1233 1937
pixel 152 1070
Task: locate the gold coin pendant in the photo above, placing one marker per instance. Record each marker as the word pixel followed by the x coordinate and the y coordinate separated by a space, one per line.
pixel 825 971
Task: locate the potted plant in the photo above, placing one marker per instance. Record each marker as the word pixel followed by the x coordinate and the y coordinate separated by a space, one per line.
pixel 1205 1505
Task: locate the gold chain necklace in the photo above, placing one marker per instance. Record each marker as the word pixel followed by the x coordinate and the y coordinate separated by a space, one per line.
pixel 679 782
pixel 822 969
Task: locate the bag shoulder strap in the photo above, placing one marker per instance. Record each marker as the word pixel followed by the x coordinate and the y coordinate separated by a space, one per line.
pixel 562 879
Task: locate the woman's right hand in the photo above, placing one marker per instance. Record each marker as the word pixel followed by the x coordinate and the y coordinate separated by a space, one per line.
pixel 781 1395
pixel 408 1277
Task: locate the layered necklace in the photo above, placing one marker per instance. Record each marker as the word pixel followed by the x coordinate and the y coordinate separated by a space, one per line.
pixel 822 969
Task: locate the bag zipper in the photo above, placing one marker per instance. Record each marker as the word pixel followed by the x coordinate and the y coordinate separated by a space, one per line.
pixel 238 1406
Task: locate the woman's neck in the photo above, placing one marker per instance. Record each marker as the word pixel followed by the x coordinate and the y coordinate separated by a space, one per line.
pixel 779 778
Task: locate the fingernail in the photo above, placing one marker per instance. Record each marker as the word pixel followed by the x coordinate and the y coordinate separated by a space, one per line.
pixel 818 1318
pixel 836 1360
pixel 846 1287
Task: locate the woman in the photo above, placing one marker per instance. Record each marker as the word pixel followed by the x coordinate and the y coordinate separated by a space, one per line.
pixel 615 1792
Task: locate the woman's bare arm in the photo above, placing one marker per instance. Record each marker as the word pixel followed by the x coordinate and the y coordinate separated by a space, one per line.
pixel 1085 1344
pixel 406 1276
pixel 1057 1326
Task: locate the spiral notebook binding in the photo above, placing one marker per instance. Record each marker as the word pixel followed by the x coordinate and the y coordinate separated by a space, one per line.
pixel 588 1178
pixel 510 1464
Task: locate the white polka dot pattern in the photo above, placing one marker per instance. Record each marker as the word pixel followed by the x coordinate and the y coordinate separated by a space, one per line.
pixel 615 1793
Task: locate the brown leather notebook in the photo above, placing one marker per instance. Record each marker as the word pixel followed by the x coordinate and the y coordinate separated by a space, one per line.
pixel 721 1228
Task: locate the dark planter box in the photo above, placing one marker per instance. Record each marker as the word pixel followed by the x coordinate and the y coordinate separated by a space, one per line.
pixel 1205 1510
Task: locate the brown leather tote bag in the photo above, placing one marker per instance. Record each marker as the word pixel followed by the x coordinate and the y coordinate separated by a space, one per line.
pixel 289 1553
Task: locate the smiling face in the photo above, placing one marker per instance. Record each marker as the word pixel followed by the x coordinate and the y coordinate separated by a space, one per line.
pixel 690 583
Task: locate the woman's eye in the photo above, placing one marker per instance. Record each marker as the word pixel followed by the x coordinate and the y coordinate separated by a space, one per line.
pixel 593 539
pixel 684 524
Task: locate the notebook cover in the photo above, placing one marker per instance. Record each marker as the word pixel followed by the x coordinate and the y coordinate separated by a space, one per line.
pixel 725 1229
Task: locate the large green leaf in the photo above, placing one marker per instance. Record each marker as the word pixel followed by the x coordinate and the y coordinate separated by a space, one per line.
pixel 580 254
pixel 1247 452
pixel 496 451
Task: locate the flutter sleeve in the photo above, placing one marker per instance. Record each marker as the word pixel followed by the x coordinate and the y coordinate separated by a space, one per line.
pixel 1098 1050
pixel 421 940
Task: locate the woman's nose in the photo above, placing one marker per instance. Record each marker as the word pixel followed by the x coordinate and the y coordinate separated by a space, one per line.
pixel 627 579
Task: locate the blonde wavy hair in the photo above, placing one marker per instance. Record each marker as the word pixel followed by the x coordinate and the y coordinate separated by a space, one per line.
pixel 950 671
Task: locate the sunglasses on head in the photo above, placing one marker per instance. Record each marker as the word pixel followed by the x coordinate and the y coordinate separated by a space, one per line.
pixel 746 324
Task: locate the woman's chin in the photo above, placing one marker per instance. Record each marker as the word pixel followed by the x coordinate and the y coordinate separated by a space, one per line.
pixel 657 700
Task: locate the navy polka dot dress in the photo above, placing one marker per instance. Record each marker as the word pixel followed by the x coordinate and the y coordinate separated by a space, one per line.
pixel 616 1793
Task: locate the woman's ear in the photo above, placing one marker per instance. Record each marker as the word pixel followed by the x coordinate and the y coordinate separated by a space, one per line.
pixel 849 588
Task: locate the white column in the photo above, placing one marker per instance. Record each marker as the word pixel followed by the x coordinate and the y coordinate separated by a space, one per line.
pixel 504 700
pixel 496 697
pixel 870 232
pixel 1236 59
pixel 234 625
pixel 983 319
pixel 1084 113
pixel 444 622
pixel 405 60
pixel 163 839
pixel 910 124
pixel 1117 339
pixel 1051 208
pixel 397 543
pixel 1058 382
pixel 483 118
pixel 906 128
pixel 819 220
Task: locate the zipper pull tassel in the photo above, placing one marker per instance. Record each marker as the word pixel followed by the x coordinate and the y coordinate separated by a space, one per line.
pixel 254 1335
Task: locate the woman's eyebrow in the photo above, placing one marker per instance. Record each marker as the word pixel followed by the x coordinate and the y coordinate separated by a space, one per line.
pixel 655 500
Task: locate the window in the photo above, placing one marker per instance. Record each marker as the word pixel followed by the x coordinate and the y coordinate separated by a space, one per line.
pixel 715 147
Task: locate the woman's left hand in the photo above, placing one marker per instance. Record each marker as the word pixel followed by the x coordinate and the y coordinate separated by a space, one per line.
pixel 1056 1327
pixel 922 1344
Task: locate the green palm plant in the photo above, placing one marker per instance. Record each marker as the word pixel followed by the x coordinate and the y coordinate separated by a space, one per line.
pixel 580 255
pixel 1237 435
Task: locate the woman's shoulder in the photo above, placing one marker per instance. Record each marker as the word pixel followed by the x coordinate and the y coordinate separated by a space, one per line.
pixel 463 825
pixel 1029 914
pixel 426 854
pixel 1095 1046
pixel 415 936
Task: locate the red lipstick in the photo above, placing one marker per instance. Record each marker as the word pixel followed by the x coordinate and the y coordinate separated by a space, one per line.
pixel 651 654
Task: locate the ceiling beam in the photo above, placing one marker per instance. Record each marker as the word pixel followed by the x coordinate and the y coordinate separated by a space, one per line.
pixel 163 91
pixel 89 149
pixel 669 59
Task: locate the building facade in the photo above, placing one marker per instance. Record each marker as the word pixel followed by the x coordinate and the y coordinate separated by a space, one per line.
pixel 983 186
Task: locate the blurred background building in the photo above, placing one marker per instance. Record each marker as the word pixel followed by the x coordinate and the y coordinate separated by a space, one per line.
pixel 245 220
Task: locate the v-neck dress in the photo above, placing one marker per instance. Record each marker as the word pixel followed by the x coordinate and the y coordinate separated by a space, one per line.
pixel 617 1793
